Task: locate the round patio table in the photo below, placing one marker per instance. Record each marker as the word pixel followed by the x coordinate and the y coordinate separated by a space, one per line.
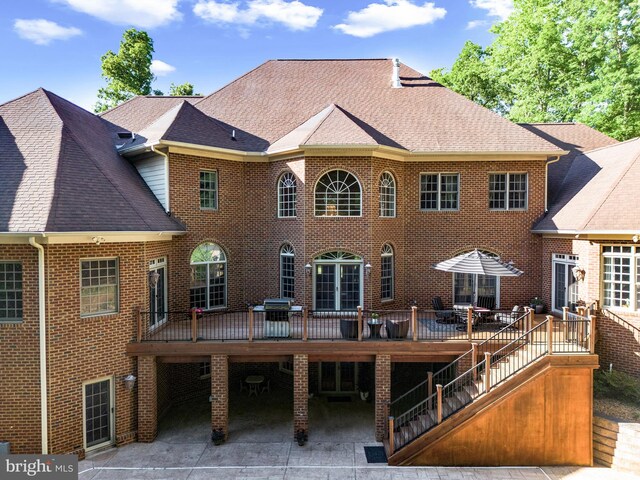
pixel 374 328
pixel 254 382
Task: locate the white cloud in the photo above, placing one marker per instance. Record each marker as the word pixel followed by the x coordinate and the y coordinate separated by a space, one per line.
pixel 392 15
pixel 161 69
pixel 139 13
pixel 42 32
pixel 495 8
pixel 295 15
pixel 476 23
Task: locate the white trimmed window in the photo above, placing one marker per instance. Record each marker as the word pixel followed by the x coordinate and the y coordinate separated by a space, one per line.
pixel 386 273
pixel 387 195
pixel 10 292
pixel 621 276
pixel 208 190
pixel 439 191
pixel 287 191
pixel 208 277
pixel 287 273
pixel 508 191
pixel 98 286
pixel 338 194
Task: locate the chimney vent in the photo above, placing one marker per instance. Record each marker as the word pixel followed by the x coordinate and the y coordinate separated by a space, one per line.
pixel 395 77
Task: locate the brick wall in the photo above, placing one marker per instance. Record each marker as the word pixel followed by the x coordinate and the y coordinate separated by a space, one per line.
pixel 220 393
pixel 619 344
pixel 20 361
pixel 147 398
pixel 383 395
pixel 300 393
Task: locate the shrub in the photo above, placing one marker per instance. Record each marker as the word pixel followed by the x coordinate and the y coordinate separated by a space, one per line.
pixel 618 385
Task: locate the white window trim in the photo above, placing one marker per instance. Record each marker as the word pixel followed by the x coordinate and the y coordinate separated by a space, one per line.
pixel 15 321
pixel 112 413
pixel 634 255
pixel 565 259
pixel 439 193
pixel 295 201
pixel 506 200
pixel 337 262
pixel 156 264
pixel 217 207
pixel 384 254
pixel 315 187
pixel 226 276
pixel 395 195
pixel 291 254
pixel 110 312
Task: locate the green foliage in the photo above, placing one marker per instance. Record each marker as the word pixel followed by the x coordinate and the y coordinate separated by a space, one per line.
pixel 128 72
pixel 559 60
pixel 617 385
pixel 186 89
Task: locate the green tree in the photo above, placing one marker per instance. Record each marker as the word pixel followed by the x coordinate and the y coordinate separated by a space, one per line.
pixel 128 72
pixel 186 89
pixel 559 60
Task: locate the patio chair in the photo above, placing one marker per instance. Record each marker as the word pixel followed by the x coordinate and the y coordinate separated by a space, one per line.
pixel 486 302
pixel 243 386
pixel 509 318
pixel 266 387
pixel 442 315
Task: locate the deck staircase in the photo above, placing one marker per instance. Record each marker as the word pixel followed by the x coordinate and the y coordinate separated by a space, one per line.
pixel 505 356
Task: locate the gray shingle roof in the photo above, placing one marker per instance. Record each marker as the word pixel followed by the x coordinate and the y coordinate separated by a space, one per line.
pixel 61 173
pixel 599 192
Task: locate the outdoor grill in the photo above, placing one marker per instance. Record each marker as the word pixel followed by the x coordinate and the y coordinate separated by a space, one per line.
pixel 277 309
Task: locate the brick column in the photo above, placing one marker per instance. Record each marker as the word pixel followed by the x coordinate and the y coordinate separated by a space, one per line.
pixel 220 393
pixel 383 395
pixel 147 399
pixel 300 393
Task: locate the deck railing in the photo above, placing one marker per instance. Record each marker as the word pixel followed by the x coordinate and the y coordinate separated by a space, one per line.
pixel 357 325
pixel 445 399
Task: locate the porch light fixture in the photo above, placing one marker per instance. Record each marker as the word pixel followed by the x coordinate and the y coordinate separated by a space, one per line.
pixel 635 238
pixel 307 268
pixel 153 279
pixel 367 269
pixel 578 273
pixel 129 382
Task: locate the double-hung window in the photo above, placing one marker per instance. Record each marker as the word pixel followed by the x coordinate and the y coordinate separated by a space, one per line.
pixel 208 190
pixel 621 276
pixel 10 292
pixel 98 286
pixel 439 191
pixel 386 273
pixel 508 191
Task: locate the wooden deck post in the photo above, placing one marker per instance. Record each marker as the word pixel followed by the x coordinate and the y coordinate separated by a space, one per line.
pixel 565 321
pixel 392 439
pixel 359 323
pixel 429 389
pixel 592 333
pixel 474 360
pixel 439 390
pixel 194 325
pixel 414 322
pixel 251 324
pixel 580 326
pixel 469 322
pixel 487 372
pixel 305 324
pixel 550 334
pixel 529 322
pixel 139 323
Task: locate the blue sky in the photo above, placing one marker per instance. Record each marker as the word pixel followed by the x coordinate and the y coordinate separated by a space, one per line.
pixel 57 44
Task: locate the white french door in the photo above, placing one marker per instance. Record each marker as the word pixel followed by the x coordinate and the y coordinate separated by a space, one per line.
pixel 564 289
pixel 337 286
pixel 158 293
pixel 467 287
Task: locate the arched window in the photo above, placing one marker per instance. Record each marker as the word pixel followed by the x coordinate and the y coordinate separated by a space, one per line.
pixel 287 276
pixel 386 272
pixel 387 195
pixel 208 277
pixel 287 191
pixel 338 194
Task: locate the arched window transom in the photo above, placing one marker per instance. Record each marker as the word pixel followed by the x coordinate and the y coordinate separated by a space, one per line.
pixel 287 271
pixel 338 194
pixel 387 195
pixel 208 277
pixel 287 192
pixel 338 255
pixel 386 273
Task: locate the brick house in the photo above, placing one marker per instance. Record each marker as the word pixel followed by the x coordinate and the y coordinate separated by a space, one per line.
pixel 334 183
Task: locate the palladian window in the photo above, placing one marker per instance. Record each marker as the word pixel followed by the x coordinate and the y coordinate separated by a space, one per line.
pixel 338 194
pixel 208 277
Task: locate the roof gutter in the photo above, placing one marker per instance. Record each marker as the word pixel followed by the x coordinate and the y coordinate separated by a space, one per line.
pixel 546 182
pixel 43 346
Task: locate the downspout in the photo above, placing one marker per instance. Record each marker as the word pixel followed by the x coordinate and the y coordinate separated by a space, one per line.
pixel 546 182
pixel 43 346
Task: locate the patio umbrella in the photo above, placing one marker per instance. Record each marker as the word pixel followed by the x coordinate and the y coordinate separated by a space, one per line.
pixel 478 263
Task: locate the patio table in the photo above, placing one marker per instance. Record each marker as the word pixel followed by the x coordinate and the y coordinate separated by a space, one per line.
pixel 254 382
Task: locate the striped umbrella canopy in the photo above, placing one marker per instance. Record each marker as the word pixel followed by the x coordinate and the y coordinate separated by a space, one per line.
pixel 478 263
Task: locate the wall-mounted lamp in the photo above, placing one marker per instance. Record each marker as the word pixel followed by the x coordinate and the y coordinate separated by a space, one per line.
pixel 635 238
pixel 307 268
pixel 129 382
pixel 153 279
pixel 367 269
pixel 97 240
pixel 578 273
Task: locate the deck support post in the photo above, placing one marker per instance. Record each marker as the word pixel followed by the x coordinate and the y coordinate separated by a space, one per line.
pixel 305 324
pixel 550 334
pixel 382 394
pixel 439 402
pixel 194 325
pixel 474 360
pixel 429 389
pixel 470 323
pixel 139 323
pixel 220 394
pixel 251 320
pixel 592 333
pixel 392 439
pixel 487 372
pixel 300 394
pixel 359 323
pixel 147 398
pixel 414 322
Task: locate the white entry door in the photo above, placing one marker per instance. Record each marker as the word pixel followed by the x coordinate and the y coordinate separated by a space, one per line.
pixel 564 291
